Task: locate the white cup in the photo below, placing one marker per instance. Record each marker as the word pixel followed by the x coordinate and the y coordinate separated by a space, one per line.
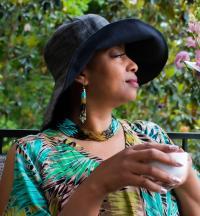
pixel 180 171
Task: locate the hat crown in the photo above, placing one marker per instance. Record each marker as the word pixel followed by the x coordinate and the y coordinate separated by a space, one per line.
pixel 93 22
pixel 67 39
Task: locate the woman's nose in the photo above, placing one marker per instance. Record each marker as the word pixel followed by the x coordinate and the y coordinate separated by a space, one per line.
pixel 132 66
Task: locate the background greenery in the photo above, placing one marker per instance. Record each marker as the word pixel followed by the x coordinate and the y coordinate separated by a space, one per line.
pixel 172 100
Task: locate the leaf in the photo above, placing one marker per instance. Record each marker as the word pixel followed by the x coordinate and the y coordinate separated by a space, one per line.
pixel 180 87
pixel 31 41
pixel 170 71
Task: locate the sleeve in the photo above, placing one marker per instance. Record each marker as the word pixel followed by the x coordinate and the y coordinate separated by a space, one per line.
pixel 26 197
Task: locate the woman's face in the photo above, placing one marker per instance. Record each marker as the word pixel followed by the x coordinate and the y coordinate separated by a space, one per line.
pixel 111 77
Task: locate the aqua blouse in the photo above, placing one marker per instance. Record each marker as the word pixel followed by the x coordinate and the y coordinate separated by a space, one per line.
pixel 49 167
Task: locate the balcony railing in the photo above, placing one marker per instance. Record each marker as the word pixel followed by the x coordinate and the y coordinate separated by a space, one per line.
pixel 5 133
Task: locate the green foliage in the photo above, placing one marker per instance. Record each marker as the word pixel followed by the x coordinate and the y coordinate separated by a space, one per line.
pixel 26 86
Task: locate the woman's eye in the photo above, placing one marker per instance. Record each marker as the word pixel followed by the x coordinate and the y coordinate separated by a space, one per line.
pixel 119 55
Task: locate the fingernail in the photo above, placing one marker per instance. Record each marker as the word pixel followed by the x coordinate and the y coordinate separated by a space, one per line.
pixel 176 179
pixel 178 164
pixel 173 147
pixel 163 190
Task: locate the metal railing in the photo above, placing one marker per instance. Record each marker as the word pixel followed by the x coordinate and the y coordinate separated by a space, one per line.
pixel 9 133
pixel 184 137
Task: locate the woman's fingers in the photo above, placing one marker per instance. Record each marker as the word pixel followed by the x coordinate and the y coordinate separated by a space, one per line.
pixel 153 173
pixel 152 154
pixel 162 147
pixel 142 181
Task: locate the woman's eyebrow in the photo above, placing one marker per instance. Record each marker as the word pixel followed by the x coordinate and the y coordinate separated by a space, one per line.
pixel 118 47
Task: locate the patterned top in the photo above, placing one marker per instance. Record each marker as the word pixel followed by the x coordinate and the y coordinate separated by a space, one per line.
pixel 49 167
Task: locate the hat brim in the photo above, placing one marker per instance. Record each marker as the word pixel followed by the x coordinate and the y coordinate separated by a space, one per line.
pixel 144 44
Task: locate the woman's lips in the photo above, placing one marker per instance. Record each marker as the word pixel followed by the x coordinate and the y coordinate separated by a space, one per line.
pixel 133 83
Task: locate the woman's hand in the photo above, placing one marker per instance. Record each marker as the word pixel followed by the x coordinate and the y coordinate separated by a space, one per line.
pixel 131 167
pixel 188 173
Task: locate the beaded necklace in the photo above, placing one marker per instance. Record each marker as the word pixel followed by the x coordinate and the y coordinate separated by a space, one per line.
pixel 69 128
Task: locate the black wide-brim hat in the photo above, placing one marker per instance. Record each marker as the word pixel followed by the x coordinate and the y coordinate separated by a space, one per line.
pixel 75 42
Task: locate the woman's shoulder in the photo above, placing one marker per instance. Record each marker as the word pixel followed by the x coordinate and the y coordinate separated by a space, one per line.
pixel 150 129
pixel 35 143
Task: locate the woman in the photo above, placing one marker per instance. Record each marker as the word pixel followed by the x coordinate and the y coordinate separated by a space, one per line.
pixel 85 161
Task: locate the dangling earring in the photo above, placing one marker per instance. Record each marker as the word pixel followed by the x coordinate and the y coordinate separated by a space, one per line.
pixel 83 106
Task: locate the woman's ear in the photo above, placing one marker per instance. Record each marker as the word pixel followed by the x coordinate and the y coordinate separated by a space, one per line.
pixel 82 78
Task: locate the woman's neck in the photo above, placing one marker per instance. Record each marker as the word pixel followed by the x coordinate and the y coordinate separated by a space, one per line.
pixel 96 120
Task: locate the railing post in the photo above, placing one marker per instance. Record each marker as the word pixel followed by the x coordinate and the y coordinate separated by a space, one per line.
pixel 185 144
pixel 1 144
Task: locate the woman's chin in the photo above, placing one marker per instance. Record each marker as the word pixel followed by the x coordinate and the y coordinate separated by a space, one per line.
pixel 130 98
